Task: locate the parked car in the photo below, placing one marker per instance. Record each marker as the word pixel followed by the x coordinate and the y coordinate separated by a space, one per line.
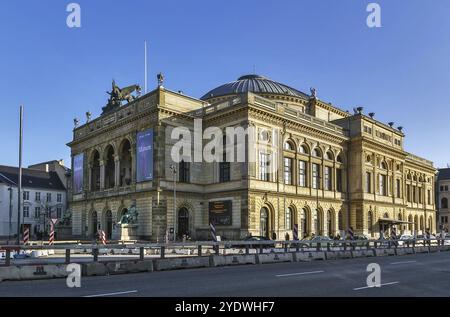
pixel 404 239
pixel 313 241
pixel 256 238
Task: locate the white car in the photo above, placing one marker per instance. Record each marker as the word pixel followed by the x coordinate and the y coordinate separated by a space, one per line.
pixel 404 239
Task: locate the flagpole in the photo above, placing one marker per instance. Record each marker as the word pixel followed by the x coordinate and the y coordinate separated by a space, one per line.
pixel 19 192
pixel 145 67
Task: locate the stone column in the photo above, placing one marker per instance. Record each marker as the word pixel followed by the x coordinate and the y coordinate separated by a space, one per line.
pixel 116 171
pixel 102 175
pixel 133 163
pixel 89 186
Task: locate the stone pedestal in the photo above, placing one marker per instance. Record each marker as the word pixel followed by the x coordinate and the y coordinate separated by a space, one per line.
pixel 128 232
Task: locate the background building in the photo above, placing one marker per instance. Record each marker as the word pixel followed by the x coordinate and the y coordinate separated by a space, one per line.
pixel 44 195
pixel 316 166
pixel 443 198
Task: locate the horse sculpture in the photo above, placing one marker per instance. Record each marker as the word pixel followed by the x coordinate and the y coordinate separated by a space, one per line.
pixel 117 95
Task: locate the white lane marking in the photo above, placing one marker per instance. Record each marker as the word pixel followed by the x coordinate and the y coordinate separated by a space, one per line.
pixel 111 294
pixel 300 273
pixel 403 262
pixel 384 284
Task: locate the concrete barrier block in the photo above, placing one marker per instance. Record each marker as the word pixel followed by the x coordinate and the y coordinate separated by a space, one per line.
pixel 141 266
pixel 9 273
pixel 180 263
pixel 239 259
pixel 347 254
pixel 119 267
pixel 421 250
pixel 302 256
pixel 362 253
pixel 32 272
pixel 94 268
pixel 274 258
pixel 384 252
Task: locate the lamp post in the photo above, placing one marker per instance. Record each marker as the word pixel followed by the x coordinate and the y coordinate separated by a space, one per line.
pixel 174 171
pixel 10 212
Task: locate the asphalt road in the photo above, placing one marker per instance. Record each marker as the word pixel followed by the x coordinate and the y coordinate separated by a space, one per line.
pixel 412 275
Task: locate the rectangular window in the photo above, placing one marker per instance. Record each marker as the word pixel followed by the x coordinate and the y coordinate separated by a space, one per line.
pixel 399 189
pixel 49 197
pixel 224 172
pixel 368 182
pixel 58 212
pixel 408 193
pixel 414 194
pixel 288 171
pixel 327 178
pixel 26 195
pixel 420 195
pixel 264 165
pixel 37 212
pixel 441 188
pixel 446 188
pixel 185 172
pixel 26 211
pixel 302 174
pixel 37 196
pixel 316 176
pixel 382 181
pixel 429 197
pixel 339 180
pixel 58 198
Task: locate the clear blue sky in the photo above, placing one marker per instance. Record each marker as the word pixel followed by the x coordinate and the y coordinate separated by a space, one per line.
pixel 400 71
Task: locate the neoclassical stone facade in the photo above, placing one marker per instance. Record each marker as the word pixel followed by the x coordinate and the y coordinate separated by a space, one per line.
pixel 315 166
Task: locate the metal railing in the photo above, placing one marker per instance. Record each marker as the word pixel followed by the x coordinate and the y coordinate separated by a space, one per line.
pixel 201 248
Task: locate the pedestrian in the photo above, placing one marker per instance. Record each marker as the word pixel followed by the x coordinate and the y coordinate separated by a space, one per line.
pixel 274 235
pixel 286 237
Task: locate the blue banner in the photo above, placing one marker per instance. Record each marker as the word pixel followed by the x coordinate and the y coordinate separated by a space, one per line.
pixel 144 156
pixel 78 161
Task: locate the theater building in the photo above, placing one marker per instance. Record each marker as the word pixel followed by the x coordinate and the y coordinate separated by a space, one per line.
pixel 316 166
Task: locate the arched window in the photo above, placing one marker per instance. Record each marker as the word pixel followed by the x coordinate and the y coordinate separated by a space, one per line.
pixel 95 171
pixel 339 158
pixel 383 165
pixel 410 225
pixel 370 223
pixel 125 163
pixel 303 149
pixel 329 156
pixel 289 146
pixel 289 219
pixel 110 168
pixel 304 222
pixel 444 203
pixel 317 152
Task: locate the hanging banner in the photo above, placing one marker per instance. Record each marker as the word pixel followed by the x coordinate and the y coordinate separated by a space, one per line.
pixel 144 156
pixel 78 161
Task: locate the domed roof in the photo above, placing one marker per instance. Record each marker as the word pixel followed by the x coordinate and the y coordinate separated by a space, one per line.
pixel 256 84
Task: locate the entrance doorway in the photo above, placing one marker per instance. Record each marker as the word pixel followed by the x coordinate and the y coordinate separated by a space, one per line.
pixel 183 222
pixel 264 222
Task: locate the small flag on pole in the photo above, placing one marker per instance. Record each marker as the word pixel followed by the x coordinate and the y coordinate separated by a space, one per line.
pixel 51 238
pixel 213 231
pixel 26 235
pixel 102 236
pixel 295 231
pixel 350 233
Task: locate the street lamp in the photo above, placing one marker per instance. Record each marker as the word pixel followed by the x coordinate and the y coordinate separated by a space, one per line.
pixel 10 212
pixel 174 171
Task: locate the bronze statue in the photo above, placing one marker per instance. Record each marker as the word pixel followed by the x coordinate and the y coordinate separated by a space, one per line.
pixel 117 95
